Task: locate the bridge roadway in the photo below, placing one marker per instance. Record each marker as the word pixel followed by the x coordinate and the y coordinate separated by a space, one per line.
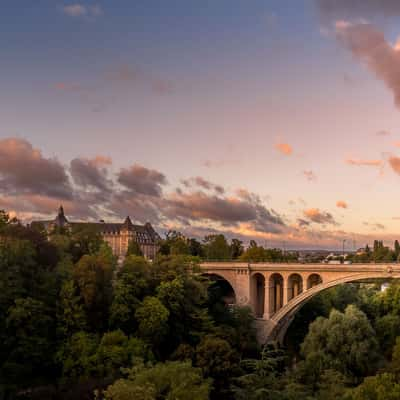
pixel 276 291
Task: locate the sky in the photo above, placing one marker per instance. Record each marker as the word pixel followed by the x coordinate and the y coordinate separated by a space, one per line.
pixel 271 120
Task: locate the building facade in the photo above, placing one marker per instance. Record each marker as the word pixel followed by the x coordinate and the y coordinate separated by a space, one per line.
pixel 117 235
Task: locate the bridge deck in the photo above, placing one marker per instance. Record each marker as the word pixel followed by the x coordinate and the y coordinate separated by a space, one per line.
pixel 276 267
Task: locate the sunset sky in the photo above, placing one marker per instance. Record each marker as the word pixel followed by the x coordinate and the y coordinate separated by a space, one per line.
pixel 274 120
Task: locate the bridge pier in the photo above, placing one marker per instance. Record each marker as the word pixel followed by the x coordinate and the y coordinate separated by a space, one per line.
pixel 267 300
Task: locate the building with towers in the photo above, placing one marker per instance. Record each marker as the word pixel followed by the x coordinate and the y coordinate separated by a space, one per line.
pixel 117 235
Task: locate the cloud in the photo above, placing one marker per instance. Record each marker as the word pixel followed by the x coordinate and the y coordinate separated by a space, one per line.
pixel 79 10
pixel 334 9
pixel 126 73
pixel 370 47
pixel 319 217
pixel 139 179
pixel 92 173
pixel 143 194
pixel 302 222
pixel 310 176
pixel 383 133
pixel 202 183
pixel 229 211
pixel 374 226
pixel 23 169
pixel 341 204
pixel 219 163
pixel 394 162
pixel 367 163
pixel 284 148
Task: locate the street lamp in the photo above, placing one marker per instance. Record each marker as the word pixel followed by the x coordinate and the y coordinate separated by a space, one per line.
pixel 344 241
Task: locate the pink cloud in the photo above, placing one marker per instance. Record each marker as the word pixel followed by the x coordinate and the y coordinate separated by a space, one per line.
pixel 310 176
pixel 341 204
pixel 368 45
pixel 319 217
pixel 367 163
pixel 284 148
pixel 394 162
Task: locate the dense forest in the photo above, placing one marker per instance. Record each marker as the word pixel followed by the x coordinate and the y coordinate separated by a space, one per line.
pixel 76 325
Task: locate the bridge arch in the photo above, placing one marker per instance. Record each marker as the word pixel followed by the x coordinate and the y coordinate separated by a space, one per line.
pixel 225 285
pixel 281 320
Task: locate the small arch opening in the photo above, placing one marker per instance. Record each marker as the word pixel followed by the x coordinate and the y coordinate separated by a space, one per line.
pixel 275 292
pixel 258 294
pixel 295 286
pixel 313 280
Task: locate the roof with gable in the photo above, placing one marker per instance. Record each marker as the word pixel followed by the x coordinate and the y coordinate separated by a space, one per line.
pixel 145 234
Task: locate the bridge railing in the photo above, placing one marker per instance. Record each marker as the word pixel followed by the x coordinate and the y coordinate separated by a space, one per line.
pixel 236 261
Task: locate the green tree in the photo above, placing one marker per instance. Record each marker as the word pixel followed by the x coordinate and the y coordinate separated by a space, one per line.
pixel 254 254
pixel 170 380
pixel 133 282
pixel 396 249
pixel 185 298
pixel 134 249
pixel 86 239
pixel 70 311
pixel 218 360
pixel 195 248
pixel 216 247
pixel 152 316
pixel 380 387
pixel 344 342
pixel 113 353
pixel 30 339
pixel 237 249
pixel 262 377
pixel 93 277
pixel 78 357
pixel 387 329
pixel 394 365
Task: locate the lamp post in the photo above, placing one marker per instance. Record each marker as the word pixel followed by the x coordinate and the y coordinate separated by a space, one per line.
pixel 344 241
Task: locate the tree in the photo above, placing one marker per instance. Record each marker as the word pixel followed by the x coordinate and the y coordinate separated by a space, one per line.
pixel 185 298
pixel 93 277
pixel 380 387
pixel 387 330
pixel 254 254
pixel 216 247
pixel 78 357
pixel 86 239
pixel 70 311
pixel 30 342
pixel 345 342
pixel 134 249
pixel 133 282
pixel 112 354
pixel 236 248
pixel 170 380
pixel 217 360
pixel 152 316
pixel 394 365
pixel 261 377
pixel 195 248
pixel 396 249
pixel 175 243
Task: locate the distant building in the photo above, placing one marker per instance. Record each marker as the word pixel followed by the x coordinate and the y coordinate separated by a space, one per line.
pixel 117 235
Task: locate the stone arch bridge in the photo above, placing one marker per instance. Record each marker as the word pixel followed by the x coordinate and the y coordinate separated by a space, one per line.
pixel 275 292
